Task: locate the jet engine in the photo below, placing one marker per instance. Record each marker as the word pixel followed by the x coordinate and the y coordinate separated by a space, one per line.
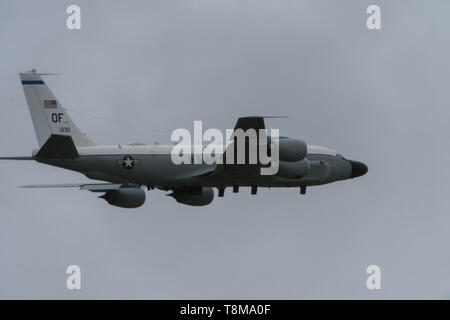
pixel 194 196
pixel 293 170
pixel 125 197
pixel 291 150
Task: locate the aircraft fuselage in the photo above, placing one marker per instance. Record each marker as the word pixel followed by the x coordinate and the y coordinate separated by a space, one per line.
pixel 152 166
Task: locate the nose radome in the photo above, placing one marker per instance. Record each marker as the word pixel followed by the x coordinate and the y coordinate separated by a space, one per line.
pixel 358 169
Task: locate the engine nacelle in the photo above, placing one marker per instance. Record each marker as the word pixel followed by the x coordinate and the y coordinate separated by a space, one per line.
pixel 291 150
pixel 125 197
pixel 194 196
pixel 293 170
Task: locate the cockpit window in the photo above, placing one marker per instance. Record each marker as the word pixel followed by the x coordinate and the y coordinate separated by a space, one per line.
pixel 312 149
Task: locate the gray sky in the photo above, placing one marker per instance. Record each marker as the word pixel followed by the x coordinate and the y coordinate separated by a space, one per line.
pixel 380 97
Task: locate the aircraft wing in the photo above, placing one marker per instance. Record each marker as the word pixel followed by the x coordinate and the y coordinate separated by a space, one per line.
pixel 94 187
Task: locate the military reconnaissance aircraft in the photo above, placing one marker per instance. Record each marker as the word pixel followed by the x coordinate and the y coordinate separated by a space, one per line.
pixel 125 169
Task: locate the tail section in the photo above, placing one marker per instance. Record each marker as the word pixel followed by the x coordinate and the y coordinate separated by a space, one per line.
pixel 58 147
pixel 49 117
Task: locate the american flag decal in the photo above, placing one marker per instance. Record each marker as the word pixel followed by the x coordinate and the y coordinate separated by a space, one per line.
pixel 50 104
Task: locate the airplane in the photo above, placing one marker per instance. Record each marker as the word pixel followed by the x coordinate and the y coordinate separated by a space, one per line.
pixel 123 171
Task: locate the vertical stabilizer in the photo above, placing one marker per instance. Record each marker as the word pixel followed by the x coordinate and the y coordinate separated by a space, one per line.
pixel 48 116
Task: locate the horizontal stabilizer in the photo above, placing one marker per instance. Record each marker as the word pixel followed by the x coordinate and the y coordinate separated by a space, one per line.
pixel 58 147
pixel 17 158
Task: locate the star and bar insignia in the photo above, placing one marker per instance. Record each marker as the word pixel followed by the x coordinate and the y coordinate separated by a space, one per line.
pixel 128 162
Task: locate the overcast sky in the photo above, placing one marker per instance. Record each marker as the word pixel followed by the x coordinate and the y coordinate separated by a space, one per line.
pixel 143 68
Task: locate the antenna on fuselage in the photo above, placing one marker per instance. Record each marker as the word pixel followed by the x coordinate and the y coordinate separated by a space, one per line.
pixel 276 117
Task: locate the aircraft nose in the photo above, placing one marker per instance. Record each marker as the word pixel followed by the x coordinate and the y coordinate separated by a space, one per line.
pixel 358 169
